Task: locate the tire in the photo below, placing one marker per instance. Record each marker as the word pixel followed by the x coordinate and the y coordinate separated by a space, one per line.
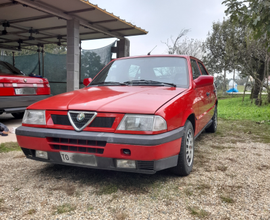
pixel 18 115
pixel 186 155
pixel 213 127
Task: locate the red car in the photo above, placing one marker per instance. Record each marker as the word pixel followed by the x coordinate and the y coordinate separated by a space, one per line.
pixel 139 114
pixel 18 91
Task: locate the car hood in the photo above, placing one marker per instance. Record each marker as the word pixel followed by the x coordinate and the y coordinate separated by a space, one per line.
pixel 112 99
pixel 7 78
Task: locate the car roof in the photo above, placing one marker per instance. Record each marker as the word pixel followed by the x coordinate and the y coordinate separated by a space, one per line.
pixel 160 55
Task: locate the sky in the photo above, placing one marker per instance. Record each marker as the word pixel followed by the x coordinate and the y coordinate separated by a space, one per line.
pixel 163 19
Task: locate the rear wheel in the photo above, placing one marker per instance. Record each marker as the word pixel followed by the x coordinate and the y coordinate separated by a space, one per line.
pixel 18 115
pixel 185 158
pixel 213 127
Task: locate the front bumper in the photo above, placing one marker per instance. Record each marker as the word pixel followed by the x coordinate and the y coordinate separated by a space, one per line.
pixel 151 152
pixel 12 104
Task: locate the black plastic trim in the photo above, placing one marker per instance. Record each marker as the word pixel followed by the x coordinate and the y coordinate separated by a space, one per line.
pixel 133 139
pixel 206 126
pixel 19 103
pixel 105 163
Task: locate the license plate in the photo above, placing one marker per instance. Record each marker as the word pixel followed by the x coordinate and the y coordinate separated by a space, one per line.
pixel 25 91
pixel 82 159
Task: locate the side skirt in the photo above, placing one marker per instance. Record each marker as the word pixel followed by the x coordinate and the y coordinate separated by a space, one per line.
pixel 206 126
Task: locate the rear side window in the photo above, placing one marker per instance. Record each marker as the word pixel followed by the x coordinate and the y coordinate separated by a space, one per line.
pixel 4 69
pixel 202 69
pixel 195 70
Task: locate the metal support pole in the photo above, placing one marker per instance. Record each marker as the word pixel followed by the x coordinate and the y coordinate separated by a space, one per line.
pixel 80 62
pixel 38 60
pixel 13 58
pixel 43 53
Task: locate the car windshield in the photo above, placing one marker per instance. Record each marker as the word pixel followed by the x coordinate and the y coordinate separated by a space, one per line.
pixel 150 71
pixel 6 68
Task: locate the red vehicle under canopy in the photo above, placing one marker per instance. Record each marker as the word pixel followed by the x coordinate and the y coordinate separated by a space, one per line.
pixel 139 114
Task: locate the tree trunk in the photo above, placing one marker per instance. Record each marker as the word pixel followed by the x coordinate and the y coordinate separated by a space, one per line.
pixel 258 83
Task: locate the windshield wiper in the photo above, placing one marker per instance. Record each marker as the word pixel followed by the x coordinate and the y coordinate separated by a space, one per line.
pixel 108 84
pixel 149 82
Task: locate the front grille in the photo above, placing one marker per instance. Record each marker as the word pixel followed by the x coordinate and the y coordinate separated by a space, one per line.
pixel 60 120
pixel 76 145
pixel 98 122
pixel 80 124
pixel 102 122
pixel 145 165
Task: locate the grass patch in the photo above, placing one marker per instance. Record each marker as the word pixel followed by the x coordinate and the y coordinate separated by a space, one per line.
pixel 242 131
pixel 107 189
pixel 9 146
pixel 226 199
pixel 200 213
pixel 203 186
pixel 188 192
pixel 31 211
pixel 235 109
pixel 66 207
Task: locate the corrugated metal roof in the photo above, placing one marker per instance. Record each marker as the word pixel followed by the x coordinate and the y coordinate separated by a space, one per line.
pixel 33 22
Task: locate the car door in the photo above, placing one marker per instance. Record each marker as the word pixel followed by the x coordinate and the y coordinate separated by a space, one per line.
pixel 199 98
pixel 210 97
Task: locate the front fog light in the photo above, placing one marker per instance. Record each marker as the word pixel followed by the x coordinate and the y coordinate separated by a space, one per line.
pixel 126 164
pixel 41 154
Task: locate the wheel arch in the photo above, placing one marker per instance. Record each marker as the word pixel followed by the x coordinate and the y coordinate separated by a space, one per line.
pixel 192 119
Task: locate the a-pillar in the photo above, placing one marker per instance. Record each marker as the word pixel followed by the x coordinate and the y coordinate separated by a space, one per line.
pixel 73 54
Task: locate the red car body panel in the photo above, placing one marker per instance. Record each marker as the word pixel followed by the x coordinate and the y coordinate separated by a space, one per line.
pixel 108 99
pixel 31 89
pixel 116 150
pixel 175 104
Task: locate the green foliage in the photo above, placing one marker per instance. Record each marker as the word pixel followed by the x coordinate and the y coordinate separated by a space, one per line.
pixel 90 64
pixel 255 14
pixel 49 48
pixel 9 146
pixel 235 109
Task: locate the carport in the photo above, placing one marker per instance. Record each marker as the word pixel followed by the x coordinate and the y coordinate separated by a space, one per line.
pixel 61 22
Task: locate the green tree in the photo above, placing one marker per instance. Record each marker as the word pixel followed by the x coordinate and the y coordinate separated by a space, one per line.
pixel 219 47
pixel 255 15
pixel 90 64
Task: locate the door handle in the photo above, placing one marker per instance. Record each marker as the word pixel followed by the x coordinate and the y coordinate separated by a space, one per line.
pixel 208 93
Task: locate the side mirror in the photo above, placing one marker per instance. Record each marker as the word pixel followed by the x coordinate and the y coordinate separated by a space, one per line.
pixel 204 80
pixel 87 81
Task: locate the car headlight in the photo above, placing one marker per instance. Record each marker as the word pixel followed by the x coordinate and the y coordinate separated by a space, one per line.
pixel 142 123
pixel 34 117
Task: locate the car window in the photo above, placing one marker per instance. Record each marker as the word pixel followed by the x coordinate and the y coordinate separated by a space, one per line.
pixel 7 68
pixel 195 70
pixel 4 69
pixel 203 71
pixel 161 69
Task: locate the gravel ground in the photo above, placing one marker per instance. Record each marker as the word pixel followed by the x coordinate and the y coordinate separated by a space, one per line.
pixel 230 180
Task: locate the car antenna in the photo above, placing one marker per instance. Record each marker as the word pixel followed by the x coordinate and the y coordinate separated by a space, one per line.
pixel 151 50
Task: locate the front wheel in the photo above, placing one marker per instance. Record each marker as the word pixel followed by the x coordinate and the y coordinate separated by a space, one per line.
pixel 185 158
